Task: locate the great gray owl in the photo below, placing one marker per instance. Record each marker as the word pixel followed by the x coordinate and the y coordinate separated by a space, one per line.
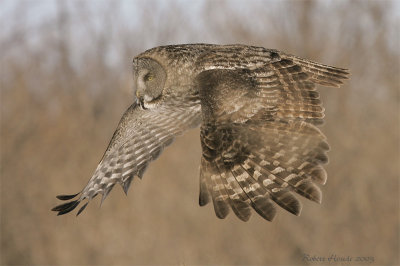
pixel 258 110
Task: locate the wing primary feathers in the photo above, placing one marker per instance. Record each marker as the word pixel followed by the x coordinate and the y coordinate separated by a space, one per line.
pixel 106 192
pixel 288 201
pixel 282 197
pixel 204 196
pixel 66 207
pixel 82 208
pixel 239 207
pixel 141 170
pixel 309 190
pixel 319 175
pixel 62 206
pixel 259 201
pixel 67 197
pixel 220 206
pixel 127 184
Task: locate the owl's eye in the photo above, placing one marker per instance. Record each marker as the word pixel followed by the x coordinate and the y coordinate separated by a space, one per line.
pixel 148 77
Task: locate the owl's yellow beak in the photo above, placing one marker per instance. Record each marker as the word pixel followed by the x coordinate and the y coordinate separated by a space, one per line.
pixel 139 100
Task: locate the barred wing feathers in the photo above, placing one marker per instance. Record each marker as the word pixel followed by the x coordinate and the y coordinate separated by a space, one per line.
pixel 139 139
pixel 259 137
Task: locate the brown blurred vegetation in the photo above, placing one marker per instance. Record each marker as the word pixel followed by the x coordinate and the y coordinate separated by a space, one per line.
pixel 66 81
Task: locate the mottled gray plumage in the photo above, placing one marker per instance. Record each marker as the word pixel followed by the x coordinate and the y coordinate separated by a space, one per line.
pixel 258 110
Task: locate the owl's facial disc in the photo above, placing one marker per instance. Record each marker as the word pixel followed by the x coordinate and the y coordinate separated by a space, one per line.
pixel 149 77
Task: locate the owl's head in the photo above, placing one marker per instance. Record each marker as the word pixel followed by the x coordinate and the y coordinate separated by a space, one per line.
pixel 149 79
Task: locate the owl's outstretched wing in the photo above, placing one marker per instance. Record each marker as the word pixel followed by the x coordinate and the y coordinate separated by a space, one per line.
pixel 139 139
pixel 259 137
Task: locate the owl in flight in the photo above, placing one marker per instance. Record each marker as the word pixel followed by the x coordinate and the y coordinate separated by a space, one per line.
pixel 258 112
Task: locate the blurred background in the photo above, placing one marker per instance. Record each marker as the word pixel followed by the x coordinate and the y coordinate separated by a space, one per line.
pixel 66 80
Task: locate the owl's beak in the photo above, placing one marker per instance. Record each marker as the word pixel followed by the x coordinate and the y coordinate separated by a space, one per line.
pixel 139 101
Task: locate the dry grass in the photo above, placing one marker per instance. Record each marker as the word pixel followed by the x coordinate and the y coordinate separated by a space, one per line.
pixel 66 81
